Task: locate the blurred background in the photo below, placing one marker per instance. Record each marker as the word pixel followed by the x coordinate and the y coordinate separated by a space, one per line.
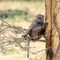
pixel 20 13
pixel 17 10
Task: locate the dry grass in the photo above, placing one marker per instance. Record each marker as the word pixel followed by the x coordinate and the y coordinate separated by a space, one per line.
pixel 33 7
pixel 17 53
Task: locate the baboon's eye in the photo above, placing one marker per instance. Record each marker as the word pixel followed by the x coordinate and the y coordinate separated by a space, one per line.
pixel 40 18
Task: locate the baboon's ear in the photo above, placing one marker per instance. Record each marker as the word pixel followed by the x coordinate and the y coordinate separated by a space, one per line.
pixel 46 24
pixel 42 16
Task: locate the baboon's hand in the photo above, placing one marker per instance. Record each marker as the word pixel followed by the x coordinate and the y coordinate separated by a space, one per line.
pixel 24 36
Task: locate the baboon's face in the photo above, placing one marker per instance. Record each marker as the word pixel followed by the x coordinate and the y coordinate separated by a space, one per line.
pixel 40 19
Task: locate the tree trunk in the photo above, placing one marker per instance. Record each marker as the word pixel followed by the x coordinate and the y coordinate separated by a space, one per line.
pixel 53 29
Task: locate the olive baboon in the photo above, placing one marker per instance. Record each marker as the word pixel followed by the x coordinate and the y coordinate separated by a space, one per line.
pixel 37 28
